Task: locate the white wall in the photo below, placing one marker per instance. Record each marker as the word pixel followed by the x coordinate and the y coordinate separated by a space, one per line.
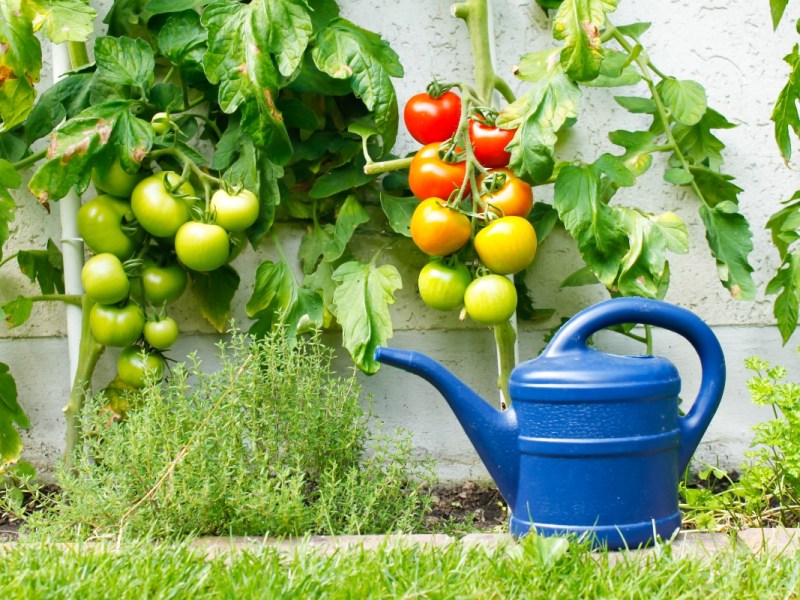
pixel 727 45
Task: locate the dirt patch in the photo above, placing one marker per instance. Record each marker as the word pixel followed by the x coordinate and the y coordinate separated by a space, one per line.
pixel 10 523
pixel 467 506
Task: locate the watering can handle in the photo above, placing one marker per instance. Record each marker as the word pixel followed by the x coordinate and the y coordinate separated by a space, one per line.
pixel 575 334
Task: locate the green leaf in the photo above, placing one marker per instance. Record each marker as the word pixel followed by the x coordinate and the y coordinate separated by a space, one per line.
pixel 785 115
pixel 214 292
pixel 614 168
pixel 269 197
pixel 678 176
pixel 7 210
pixel 133 138
pixel 20 63
pixel 538 116
pixel 697 142
pixel 166 97
pixel 158 7
pixel 347 52
pixel 274 293
pixel 9 177
pixel 181 34
pixel 730 241
pixel 339 180
pixel 12 147
pixel 125 61
pixel 544 218
pixel 240 60
pixel 581 277
pixel 578 23
pixel 398 211
pixel 64 20
pixel 601 240
pixel 46 267
pixel 313 244
pixel 638 147
pixel 616 70
pixel 715 187
pixel 785 223
pixel 10 413
pixel 536 65
pixel 350 216
pixel 777 8
pixel 786 283
pixel 361 305
pixel 17 311
pixel 635 104
pixel 633 30
pixel 64 100
pixel 685 99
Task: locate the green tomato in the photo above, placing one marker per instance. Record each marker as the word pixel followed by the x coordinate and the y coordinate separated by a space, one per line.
pixel 202 246
pixel 441 286
pixel 160 283
pixel 490 300
pixel 234 212
pixel 135 366
pixel 160 122
pixel 115 181
pixel 161 334
pixel 116 326
pixel 104 279
pixel 158 211
pixel 100 223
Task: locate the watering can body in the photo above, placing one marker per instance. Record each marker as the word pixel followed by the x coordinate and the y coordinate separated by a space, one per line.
pixel 593 444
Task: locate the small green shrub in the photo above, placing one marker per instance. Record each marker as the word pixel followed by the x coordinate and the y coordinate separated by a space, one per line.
pixel 271 443
pixel 767 492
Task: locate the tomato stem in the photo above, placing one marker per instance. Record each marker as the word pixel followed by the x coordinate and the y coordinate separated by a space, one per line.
pixel 29 160
pixel 73 299
pixel 505 336
pixel 375 168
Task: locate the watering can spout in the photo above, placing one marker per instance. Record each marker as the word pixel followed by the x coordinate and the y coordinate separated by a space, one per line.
pixel 493 433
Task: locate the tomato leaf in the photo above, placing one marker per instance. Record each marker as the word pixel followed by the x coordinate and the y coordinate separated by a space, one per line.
pixel 20 63
pixel 269 197
pixel 274 293
pixel 614 168
pixel 538 115
pixel 347 52
pixel 784 283
pixel 351 215
pixel 785 225
pixel 730 241
pixel 635 104
pixel 64 100
pixel 313 245
pixel 63 20
pixel 133 138
pixel 615 70
pixel 46 267
pixel 578 23
pixel 685 99
pixel 633 30
pixel 17 311
pixel 339 180
pixel 125 61
pixel 601 240
pixel 698 143
pixel 777 8
pixel 785 115
pixel 361 305
pixel 181 34
pixel 214 292
pixel 7 211
pixel 158 7
pixel 398 211
pixel 12 147
pixel 10 414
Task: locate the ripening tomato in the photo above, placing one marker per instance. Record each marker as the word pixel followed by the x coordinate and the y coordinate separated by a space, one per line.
pixel 506 245
pixel 104 225
pixel 430 119
pixel 159 211
pixel 490 300
pixel 115 181
pixel 489 144
pixel 135 366
pixel 439 230
pixel 160 122
pixel 116 326
pixel 160 282
pixel 202 246
pixel 161 334
pixel 506 194
pixel 104 279
pixel 234 212
pixel 442 286
pixel 431 177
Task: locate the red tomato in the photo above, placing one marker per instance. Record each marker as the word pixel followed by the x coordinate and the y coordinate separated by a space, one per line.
pixel 431 177
pixel 489 144
pixel 431 119
pixel 506 245
pixel 506 194
pixel 439 230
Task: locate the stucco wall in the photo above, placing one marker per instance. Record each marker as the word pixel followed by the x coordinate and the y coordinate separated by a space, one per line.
pixel 728 46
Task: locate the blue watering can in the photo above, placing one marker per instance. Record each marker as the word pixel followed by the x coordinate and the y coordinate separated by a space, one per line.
pixel 593 444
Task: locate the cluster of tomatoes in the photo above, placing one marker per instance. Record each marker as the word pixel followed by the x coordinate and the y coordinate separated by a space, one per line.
pixel 473 209
pixel 143 237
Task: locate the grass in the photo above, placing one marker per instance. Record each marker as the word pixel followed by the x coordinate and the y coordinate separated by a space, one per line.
pixel 535 568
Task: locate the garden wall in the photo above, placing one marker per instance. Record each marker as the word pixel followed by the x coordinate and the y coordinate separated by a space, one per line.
pixel 727 45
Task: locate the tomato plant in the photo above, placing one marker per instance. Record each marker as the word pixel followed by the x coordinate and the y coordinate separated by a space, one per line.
pixel 490 300
pixel 442 285
pixel 162 203
pixel 104 279
pixel 506 245
pixel 135 366
pixel 437 229
pixel 505 194
pixel 118 326
pixel 431 176
pixel 489 143
pixel 432 117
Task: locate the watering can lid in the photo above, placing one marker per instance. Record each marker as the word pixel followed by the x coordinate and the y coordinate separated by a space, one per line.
pixel 588 374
